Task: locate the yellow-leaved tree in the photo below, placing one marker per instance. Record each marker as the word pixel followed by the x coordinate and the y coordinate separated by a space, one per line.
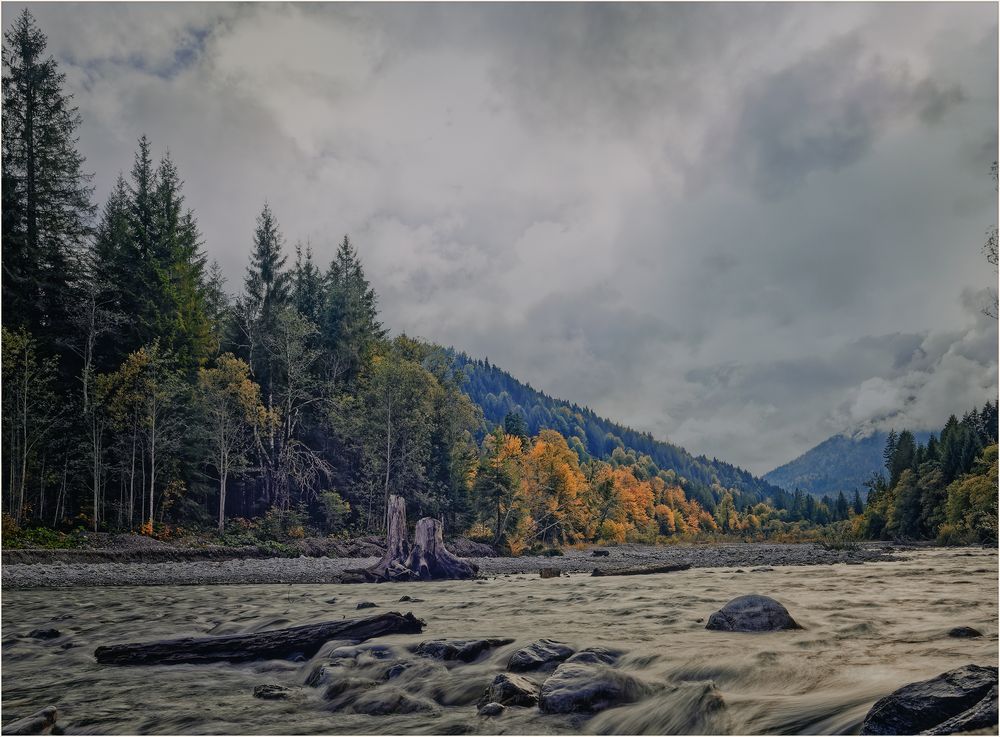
pixel 230 406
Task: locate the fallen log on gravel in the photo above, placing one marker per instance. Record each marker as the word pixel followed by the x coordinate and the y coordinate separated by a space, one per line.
pixel 641 571
pixel 426 560
pixel 38 723
pixel 304 640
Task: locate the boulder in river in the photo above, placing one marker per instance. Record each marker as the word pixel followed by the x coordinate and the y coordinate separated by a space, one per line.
pixel 510 689
pixel 41 722
pixel 596 656
pixel 538 655
pixel 382 701
pixel 960 700
pixel 464 650
pixel 366 605
pixel 271 692
pixel 752 613
pixel 580 687
pixel 45 634
pixel 492 709
pixel 964 632
pixel 549 573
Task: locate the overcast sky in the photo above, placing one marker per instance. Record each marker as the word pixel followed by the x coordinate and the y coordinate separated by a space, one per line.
pixel 741 227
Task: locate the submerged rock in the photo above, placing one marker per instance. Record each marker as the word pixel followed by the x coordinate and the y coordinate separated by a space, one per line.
pixel 580 687
pixel 596 656
pixel 354 652
pixel 366 605
pixel 510 689
pixel 391 701
pixel 960 700
pixel 41 722
pixel 964 632
pixel 549 573
pixel 271 692
pixel 492 709
pixel 464 650
pixel 45 634
pixel 539 654
pixel 752 613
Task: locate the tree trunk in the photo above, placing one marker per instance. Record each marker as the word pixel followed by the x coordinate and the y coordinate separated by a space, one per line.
pixel 284 643
pixel 222 501
pixel 428 558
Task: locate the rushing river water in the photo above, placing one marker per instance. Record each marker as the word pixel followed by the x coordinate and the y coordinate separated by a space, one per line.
pixel 868 630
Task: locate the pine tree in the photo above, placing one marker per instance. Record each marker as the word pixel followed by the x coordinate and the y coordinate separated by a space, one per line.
pixel 181 320
pixel 890 450
pixel 858 505
pixel 47 208
pixel 307 286
pixel 350 326
pixel 266 292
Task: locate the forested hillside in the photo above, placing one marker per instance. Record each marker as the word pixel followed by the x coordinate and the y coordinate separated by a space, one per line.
pixel 945 489
pixel 840 463
pixel 500 394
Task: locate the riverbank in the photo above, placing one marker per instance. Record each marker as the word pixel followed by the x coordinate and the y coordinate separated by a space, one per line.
pixel 64 571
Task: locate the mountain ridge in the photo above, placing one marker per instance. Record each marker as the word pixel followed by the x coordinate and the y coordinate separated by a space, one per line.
pixel 497 393
pixel 842 462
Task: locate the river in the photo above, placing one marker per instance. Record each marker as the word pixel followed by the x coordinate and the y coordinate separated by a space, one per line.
pixel 868 629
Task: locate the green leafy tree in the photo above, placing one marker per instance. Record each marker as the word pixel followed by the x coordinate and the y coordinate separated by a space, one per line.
pixel 230 410
pixel 147 394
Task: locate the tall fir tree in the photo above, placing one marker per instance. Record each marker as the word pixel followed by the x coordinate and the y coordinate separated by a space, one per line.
pixel 47 209
pixel 266 292
pixel 307 286
pixel 350 326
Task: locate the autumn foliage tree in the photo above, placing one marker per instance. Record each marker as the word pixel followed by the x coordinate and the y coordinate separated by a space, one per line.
pixel 231 410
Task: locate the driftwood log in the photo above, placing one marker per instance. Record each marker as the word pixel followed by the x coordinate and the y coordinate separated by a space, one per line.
pixel 641 571
pixel 41 722
pixel 305 640
pixel 426 560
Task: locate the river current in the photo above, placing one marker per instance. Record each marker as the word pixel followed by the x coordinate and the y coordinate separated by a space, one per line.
pixel 868 629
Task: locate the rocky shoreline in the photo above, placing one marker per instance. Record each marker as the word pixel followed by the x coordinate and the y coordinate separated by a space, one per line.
pixel 167 568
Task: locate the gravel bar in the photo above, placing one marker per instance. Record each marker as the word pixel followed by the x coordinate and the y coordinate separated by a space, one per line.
pixel 328 570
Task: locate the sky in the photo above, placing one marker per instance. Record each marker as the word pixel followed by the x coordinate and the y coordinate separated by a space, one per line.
pixel 741 227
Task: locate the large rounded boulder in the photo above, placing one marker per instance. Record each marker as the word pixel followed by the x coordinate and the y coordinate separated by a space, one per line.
pixel 961 700
pixel 752 613
pixel 582 687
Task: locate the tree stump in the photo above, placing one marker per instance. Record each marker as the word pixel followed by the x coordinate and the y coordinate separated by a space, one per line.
pixel 426 560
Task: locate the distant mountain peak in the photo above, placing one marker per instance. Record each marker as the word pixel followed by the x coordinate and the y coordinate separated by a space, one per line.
pixel 842 462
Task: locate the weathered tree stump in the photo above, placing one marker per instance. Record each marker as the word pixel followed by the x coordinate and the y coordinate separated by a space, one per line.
pixel 426 560
pixel 304 640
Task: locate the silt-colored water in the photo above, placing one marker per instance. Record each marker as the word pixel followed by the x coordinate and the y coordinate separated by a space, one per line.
pixel 868 629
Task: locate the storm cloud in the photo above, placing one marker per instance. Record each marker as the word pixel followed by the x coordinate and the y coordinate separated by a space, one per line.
pixel 742 227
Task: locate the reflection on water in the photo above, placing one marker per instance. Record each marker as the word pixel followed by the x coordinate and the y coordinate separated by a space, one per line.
pixel 868 630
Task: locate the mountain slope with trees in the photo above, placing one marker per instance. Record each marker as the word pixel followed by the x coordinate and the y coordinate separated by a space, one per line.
pixel 499 394
pixel 840 463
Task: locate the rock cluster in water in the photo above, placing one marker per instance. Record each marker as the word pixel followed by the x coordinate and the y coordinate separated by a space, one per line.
pixel 961 700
